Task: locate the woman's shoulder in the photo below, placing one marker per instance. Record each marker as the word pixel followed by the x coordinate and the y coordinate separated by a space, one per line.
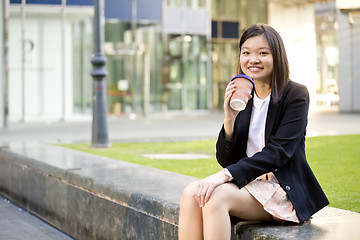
pixel 295 85
pixel 295 89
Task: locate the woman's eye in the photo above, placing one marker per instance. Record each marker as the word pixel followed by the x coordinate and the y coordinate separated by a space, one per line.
pixel 264 53
pixel 245 53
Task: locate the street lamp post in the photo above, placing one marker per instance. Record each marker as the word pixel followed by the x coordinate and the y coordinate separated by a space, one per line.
pixel 100 137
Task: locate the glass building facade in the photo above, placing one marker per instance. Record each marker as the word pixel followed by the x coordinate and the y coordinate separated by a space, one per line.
pixel 157 59
pixel 180 60
pixel 162 55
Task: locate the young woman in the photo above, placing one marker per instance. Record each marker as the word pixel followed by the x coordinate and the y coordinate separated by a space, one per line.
pixel 262 149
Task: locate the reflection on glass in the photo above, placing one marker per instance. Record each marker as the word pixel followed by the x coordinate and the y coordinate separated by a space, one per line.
pixel 187 86
pixel 82 51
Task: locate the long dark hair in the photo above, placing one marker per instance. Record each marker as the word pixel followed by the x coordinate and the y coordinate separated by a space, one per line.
pixel 280 74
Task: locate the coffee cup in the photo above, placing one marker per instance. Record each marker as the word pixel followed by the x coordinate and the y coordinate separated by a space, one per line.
pixel 244 86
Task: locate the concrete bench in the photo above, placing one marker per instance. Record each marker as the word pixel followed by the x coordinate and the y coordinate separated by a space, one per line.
pixel 91 197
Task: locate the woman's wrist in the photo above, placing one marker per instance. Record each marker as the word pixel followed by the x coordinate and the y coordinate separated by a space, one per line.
pixel 228 175
pixel 228 129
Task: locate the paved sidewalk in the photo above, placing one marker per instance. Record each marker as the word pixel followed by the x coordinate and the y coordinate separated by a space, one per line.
pixel 17 224
pixel 172 126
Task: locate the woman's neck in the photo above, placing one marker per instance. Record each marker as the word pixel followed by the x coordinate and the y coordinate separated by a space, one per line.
pixel 262 89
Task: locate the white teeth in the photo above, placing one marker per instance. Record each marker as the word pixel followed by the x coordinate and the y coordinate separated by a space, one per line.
pixel 254 68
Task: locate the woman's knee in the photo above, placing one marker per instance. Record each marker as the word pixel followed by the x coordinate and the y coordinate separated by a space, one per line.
pixel 218 199
pixel 188 190
pixel 187 195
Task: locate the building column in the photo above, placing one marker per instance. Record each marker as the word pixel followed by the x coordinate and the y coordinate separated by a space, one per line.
pixel 349 49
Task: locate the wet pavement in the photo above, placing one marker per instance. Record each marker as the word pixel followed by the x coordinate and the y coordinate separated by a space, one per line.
pixel 15 223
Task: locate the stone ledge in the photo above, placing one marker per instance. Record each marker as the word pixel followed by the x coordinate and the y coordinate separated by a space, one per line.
pixel 329 223
pixel 91 197
pixel 88 196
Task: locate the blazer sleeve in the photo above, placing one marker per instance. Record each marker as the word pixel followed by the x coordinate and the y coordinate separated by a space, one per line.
pixel 286 134
pixel 223 149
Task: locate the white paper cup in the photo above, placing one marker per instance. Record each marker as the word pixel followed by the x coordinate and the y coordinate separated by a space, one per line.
pixel 237 104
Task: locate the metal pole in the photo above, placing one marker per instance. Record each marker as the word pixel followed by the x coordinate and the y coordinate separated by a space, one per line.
pixel 100 137
pixel 23 3
pixel 6 61
pixel 63 60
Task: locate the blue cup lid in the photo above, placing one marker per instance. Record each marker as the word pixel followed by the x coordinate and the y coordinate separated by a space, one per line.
pixel 245 76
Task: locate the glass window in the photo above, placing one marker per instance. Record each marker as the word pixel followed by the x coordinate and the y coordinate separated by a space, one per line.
pixel 230 30
pixel 187 86
pixel 130 65
pixel 82 51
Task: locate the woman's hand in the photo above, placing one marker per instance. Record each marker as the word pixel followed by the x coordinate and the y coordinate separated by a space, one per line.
pixel 206 186
pixel 230 114
pixel 229 91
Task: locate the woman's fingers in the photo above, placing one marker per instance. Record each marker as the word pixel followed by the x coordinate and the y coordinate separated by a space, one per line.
pixel 208 194
pixel 204 188
pixel 200 193
pixel 197 193
pixel 203 193
pixel 230 89
pixel 205 196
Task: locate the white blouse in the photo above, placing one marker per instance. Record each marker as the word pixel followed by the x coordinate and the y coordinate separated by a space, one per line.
pixel 256 139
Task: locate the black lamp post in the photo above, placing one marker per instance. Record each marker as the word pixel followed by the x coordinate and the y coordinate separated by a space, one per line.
pixel 100 137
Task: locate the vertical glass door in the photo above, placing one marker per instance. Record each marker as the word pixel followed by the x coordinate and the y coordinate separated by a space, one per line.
pixel 187 85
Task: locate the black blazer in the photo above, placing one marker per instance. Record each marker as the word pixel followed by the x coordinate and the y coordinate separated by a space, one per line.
pixel 283 154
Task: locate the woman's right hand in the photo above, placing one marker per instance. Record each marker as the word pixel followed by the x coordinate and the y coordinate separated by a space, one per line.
pixel 230 114
pixel 229 91
pixel 203 188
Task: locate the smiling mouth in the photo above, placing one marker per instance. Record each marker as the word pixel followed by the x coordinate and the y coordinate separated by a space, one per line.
pixel 254 68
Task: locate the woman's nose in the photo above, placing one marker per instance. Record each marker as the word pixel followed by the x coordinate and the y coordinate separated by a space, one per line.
pixel 254 59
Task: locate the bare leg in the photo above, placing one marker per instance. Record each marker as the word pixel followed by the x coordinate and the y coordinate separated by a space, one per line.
pixel 228 198
pixel 190 217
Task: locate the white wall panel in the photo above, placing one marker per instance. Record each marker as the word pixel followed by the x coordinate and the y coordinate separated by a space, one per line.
pixel 296 25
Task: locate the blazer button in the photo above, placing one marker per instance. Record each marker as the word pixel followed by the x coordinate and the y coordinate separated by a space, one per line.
pixel 287 188
pixel 275 170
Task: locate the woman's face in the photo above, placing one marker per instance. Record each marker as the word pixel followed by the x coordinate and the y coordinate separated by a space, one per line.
pixel 256 59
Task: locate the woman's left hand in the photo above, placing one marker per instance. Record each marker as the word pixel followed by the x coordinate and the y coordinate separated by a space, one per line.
pixel 206 186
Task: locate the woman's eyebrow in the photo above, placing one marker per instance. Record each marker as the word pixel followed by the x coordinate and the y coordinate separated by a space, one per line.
pixel 259 48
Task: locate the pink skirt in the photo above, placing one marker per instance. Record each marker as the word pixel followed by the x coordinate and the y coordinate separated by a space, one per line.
pixel 267 190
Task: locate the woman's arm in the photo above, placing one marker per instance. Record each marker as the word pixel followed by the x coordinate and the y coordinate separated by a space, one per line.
pixel 226 135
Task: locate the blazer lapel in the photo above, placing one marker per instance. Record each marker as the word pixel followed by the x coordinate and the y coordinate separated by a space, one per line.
pixel 270 119
pixel 242 125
